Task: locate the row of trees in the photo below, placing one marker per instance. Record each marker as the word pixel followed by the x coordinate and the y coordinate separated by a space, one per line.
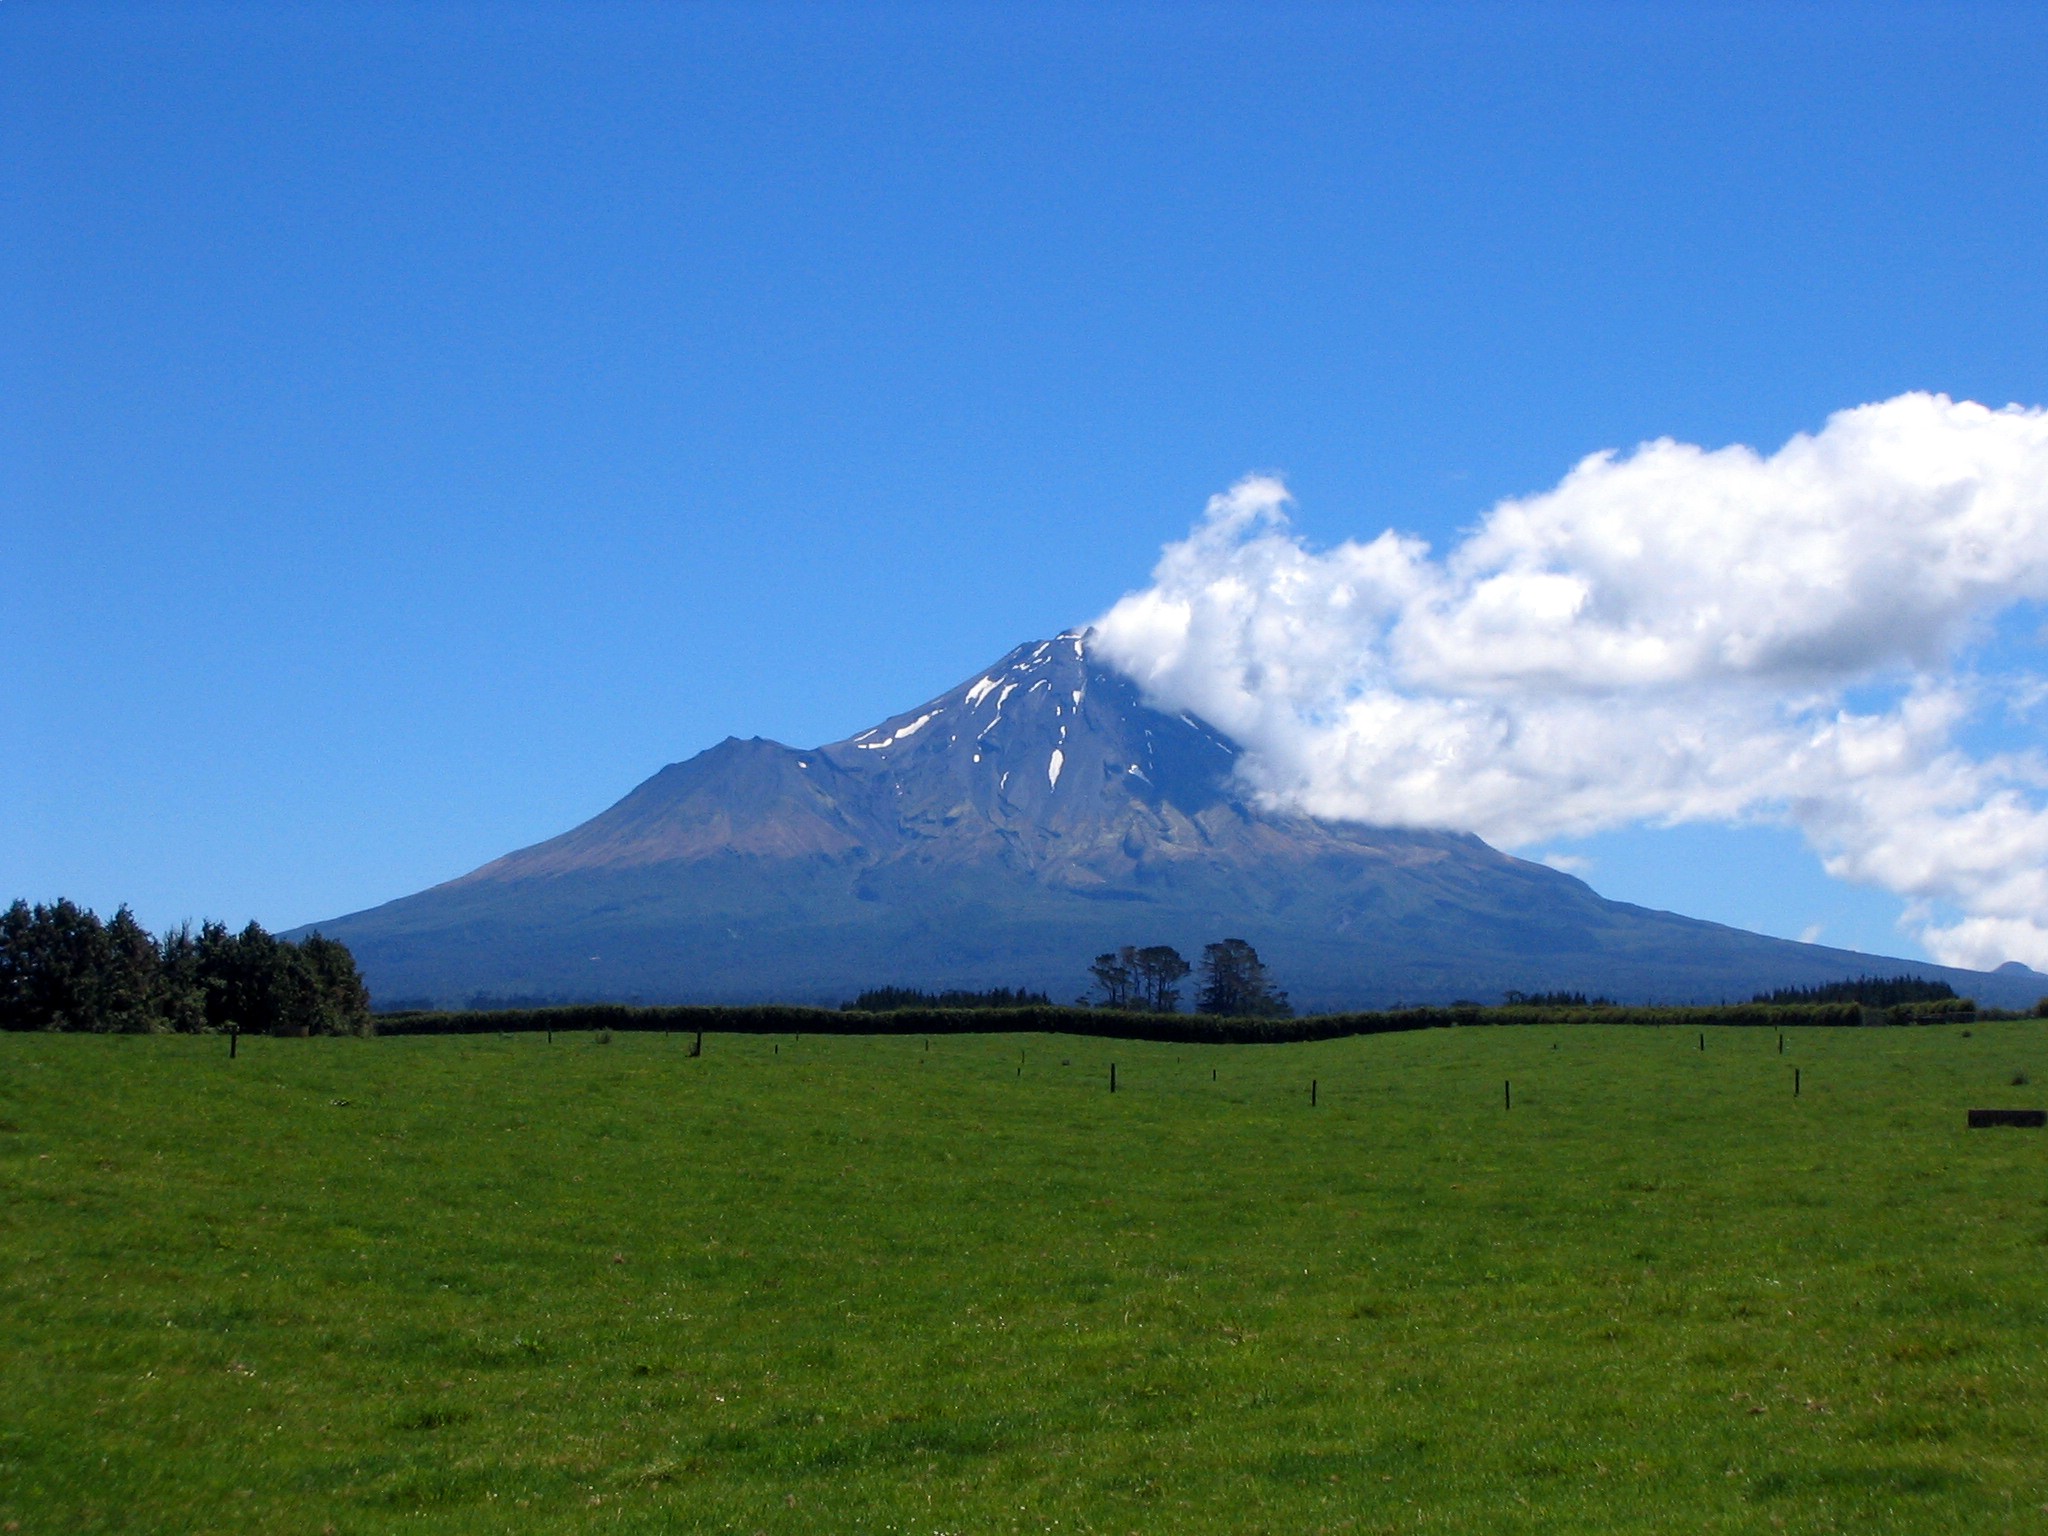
pixel 61 967
pixel 896 999
pixel 1234 982
pixel 1871 991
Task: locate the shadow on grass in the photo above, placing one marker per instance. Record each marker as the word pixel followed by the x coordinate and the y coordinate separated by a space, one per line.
pixel 1876 1482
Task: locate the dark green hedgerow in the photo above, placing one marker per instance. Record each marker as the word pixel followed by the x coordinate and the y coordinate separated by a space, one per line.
pixel 1185 1028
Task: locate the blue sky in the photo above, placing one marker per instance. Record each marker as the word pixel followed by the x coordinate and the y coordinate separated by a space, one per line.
pixel 418 424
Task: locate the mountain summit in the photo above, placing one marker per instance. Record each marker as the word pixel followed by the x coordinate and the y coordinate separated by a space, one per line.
pixel 1046 762
pixel 1003 834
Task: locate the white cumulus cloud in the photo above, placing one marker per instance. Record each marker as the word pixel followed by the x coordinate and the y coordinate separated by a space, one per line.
pixel 1675 634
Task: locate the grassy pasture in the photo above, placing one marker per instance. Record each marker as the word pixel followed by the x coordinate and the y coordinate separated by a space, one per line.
pixel 855 1284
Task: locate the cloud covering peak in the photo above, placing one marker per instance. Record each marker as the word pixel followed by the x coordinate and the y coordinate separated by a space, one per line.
pixel 1674 634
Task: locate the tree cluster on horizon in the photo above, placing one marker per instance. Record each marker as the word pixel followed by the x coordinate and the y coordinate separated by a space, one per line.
pixel 62 968
pixel 1234 982
pixel 895 999
pixel 1871 991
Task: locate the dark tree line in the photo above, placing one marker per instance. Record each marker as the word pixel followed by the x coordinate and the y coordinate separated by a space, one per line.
pixel 62 968
pixel 1871 991
pixel 1234 982
pixel 896 999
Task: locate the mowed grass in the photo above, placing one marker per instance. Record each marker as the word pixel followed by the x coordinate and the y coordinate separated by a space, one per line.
pixel 866 1285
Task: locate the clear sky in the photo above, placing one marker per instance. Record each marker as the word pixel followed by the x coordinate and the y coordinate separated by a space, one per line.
pixel 419 423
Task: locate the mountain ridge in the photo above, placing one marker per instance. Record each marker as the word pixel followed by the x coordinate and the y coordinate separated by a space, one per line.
pixel 1004 832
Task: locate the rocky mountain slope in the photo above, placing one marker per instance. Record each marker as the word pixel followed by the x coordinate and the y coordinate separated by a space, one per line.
pixel 1006 832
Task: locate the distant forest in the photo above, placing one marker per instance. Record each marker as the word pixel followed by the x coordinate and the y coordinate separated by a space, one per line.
pixel 63 968
pixel 1871 991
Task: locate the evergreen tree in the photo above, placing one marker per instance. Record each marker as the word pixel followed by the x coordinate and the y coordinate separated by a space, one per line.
pixel 1113 978
pixel 1156 974
pixel 343 1001
pixel 131 979
pixel 1235 983
pixel 54 963
pixel 62 968
pixel 1871 991
pixel 182 998
pixel 254 981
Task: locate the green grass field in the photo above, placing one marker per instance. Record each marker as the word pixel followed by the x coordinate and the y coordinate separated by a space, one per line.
pixel 488 1284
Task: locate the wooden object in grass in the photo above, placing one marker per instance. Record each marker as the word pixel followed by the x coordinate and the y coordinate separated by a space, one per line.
pixel 2031 1119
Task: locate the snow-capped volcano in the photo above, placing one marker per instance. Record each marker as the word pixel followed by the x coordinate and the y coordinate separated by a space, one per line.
pixel 1004 833
pixel 1037 761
